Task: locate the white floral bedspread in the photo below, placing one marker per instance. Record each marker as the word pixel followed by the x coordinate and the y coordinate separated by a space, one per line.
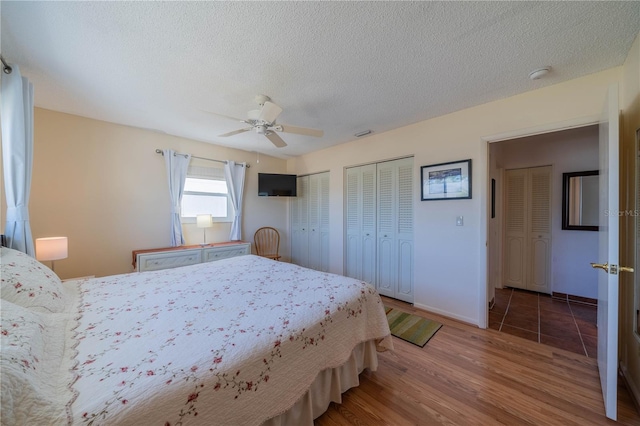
pixel 231 342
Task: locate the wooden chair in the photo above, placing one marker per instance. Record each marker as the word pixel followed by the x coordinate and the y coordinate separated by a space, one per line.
pixel 267 242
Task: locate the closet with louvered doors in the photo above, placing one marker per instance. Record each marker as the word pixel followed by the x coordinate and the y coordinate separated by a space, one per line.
pixel 527 229
pixel 361 206
pixel 379 226
pixel 310 222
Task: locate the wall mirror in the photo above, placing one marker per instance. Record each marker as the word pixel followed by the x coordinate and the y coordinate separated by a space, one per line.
pixel 580 201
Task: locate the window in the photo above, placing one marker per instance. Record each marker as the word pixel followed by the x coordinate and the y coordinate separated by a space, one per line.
pixel 205 192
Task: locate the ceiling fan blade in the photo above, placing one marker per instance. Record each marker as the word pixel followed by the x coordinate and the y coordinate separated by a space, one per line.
pixel 276 140
pixel 301 130
pixel 235 132
pixel 269 112
pixel 226 116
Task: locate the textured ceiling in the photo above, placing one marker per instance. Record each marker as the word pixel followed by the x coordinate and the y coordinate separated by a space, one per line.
pixel 342 67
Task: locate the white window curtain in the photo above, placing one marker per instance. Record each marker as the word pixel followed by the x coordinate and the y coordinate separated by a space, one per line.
pixel 234 174
pixel 177 166
pixel 17 157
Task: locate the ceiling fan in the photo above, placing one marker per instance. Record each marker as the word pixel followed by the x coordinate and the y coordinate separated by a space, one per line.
pixel 263 122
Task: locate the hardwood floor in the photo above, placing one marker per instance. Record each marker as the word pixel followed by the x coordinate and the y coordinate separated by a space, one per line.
pixel 468 376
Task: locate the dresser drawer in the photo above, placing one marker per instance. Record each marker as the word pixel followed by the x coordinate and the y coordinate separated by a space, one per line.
pixel 216 253
pixel 169 259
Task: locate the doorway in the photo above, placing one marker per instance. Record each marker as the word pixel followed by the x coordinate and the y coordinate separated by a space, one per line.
pixel 566 313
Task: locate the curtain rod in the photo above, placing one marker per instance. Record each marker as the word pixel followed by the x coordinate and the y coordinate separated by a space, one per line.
pixel 159 151
pixel 5 66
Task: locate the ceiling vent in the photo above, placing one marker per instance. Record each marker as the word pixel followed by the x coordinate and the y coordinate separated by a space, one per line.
pixel 363 133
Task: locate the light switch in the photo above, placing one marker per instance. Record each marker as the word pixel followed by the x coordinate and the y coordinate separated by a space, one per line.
pixel 459 221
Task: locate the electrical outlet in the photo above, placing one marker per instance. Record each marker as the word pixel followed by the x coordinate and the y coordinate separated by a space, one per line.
pixel 459 221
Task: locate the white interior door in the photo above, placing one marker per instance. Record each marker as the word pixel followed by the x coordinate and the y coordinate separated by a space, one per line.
pixel 608 253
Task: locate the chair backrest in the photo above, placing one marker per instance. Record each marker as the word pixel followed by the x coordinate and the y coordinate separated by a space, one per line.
pixel 267 241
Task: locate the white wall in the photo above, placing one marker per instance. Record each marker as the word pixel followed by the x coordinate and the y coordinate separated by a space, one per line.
pixel 572 150
pixel 451 261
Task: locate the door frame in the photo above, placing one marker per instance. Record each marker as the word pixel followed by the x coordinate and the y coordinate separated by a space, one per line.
pixel 485 199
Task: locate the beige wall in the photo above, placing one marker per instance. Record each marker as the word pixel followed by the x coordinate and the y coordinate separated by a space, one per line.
pixel 450 261
pixel 630 100
pixel 104 187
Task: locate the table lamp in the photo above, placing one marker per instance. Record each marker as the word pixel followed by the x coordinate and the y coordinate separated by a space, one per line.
pixel 52 248
pixel 204 221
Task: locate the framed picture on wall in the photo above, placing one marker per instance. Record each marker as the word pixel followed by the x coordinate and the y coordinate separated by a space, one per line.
pixel 446 181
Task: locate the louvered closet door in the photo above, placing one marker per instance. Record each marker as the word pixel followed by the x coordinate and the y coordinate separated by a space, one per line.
pixel 360 255
pixel 323 208
pixel 386 229
pixel 310 222
pixel 515 228
pixel 318 229
pixel 527 241
pixel 404 236
pixel 539 232
pixel 314 223
pixel 300 224
pixel 368 239
pixel 294 212
pixel 395 229
pixel 353 216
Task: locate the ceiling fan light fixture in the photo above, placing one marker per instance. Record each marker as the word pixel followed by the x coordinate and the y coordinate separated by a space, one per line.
pixel 261 99
pixel 263 122
pixel 253 114
pixel 539 73
pixel 269 112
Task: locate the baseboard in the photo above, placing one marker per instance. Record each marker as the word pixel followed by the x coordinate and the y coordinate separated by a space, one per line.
pixel 631 385
pixel 574 299
pixel 466 320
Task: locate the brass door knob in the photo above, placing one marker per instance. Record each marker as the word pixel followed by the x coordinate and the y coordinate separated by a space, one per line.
pixel 626 269
pixel 604 266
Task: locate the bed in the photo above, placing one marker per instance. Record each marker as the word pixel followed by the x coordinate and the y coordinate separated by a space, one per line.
pixel 239 341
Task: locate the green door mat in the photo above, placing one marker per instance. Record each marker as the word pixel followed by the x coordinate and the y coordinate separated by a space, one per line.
pixel 412 328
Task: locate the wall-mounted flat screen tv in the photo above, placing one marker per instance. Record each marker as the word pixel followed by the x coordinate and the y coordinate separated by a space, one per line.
pixel 276 185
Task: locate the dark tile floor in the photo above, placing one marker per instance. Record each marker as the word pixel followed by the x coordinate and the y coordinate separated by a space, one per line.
pixel 539 317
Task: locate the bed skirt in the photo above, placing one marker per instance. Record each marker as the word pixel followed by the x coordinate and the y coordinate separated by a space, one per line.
pixel 328 386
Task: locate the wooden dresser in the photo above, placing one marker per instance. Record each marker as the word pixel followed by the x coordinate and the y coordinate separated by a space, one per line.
pixel 172 257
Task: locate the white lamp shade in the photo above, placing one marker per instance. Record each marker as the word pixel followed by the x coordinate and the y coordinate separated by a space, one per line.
pixel 204 221
pixel 52 248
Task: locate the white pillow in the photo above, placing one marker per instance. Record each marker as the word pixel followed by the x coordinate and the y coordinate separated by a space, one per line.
pixel 28 283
